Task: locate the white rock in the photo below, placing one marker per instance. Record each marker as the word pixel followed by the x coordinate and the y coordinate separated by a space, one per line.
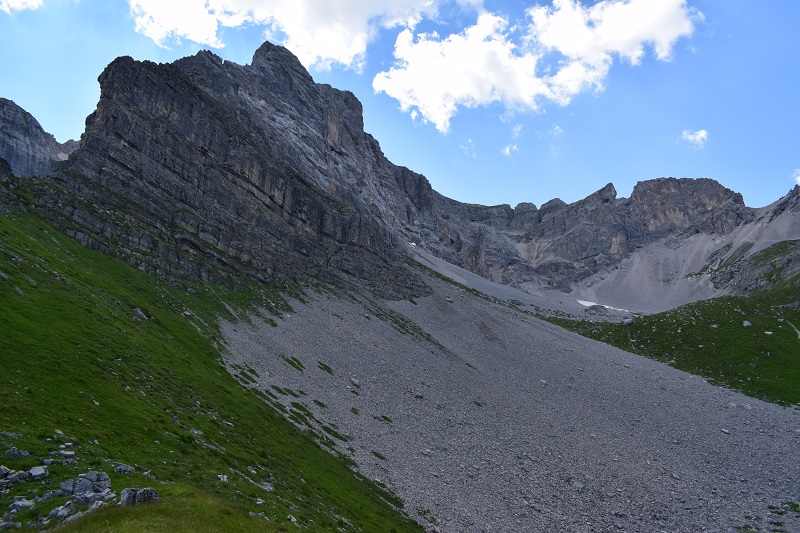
pixel 38 472
pixel 21 504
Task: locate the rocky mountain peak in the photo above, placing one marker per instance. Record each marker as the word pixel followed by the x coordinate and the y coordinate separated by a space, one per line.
pixel 273 60
pixel 669 204
pixel 605 195
pixel 552 205
pixel 701 191
pixel 202 167
pixel 25 145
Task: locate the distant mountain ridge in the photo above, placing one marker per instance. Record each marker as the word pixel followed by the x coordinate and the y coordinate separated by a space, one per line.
pixel 203 165
pixel 27 147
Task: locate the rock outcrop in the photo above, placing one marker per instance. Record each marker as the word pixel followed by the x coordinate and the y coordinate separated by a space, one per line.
pixel 203 167
pixel 25 145
pixel 136 496
pixel 560 245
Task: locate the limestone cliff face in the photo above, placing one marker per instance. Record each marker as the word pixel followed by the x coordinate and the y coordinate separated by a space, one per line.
pixel 204 166
pixel 201 167
pixel 25 145
pixel 669 205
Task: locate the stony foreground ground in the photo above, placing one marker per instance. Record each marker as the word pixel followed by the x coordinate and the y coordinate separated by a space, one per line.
pixel 488 419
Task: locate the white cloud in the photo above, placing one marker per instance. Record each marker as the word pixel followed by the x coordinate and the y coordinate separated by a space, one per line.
pixel 558 52
pixel 623 27
pixel 18 5
pixel 509 149
pixel 318 32
pixel 188 19
pixel 474 68
pixel 796 176
pixel 697 138
pixel 516 131
pixel 483 64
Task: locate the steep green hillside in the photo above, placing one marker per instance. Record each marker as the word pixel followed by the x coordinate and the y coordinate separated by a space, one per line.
pixel 127 370
pixel 747 343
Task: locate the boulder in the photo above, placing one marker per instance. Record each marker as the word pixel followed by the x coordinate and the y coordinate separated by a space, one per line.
pixel 50 494
pixel 83 485
pixel 14 452
pixel 100 481
pixel 121 468
pixel 20 504
pixel 136 496
pixel 95 506
pixel 63 511
pixel 38 472
pixel 74 517
pixel 17 477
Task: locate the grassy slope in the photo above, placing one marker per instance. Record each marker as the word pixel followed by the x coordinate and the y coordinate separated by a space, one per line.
pixel 709 337
pixel 102 351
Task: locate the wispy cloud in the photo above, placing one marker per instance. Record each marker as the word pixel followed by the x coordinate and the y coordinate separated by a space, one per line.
pixel 468 147
pixel 18 5
pixel 697 138
pixel 796 176
pixel 508 150
pixel 516 131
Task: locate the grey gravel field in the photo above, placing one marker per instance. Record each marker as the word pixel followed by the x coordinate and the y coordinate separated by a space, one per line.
pixel 482 418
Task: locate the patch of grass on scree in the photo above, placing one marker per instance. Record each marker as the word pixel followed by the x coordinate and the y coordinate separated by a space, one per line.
pixel 101 351
pixel 709 338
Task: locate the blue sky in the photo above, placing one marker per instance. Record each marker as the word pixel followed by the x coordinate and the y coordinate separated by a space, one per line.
pixel 494 101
